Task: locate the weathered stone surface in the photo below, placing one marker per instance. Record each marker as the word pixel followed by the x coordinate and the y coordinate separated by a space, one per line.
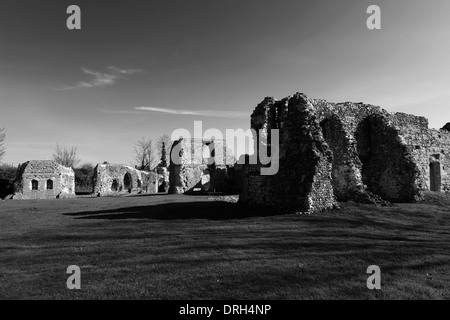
pixel 201 166
pixel 346 166
pixel 388 168
pixel 163 179
pixel 115 179
pixel 345 151
pixel 44 179
pixel 303 182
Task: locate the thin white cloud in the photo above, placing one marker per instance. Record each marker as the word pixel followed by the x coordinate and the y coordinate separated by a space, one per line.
pixel 203 113
pixel 102 79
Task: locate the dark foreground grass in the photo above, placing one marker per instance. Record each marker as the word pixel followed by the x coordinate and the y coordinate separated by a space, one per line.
pixel 190 247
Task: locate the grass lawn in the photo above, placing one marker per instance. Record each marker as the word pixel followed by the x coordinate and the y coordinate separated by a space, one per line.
pixel 191 247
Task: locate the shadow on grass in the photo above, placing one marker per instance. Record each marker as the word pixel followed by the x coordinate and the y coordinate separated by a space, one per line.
pixel 210 210
pixel 143 195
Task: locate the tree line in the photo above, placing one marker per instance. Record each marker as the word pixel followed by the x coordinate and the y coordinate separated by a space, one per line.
pixel 148 156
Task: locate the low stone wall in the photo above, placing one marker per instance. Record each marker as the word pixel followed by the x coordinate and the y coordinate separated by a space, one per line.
pixel 115 179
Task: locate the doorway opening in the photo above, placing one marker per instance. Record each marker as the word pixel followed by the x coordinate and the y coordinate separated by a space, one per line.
pixel 435 176
pixel 114 185
pixel 127 182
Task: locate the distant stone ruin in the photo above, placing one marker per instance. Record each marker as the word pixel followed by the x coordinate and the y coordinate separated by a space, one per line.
pixel 114 179
pixel 346 151
pixel 163 182
pixel 201 166
pixel 44 179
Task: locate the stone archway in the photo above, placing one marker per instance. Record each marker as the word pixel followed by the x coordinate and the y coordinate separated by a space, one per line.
pixel 127 182
pixel 114 185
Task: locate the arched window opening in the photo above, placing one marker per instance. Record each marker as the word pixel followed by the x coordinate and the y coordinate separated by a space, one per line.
pixel 34 185
pixel 127 182
pixel 49 184
pixel 114 185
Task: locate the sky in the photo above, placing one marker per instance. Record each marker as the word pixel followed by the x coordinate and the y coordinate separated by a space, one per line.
pixel 145 68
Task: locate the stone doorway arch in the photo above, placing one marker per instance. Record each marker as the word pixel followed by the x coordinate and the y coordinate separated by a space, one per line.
pixel 127 182
pixel 114 185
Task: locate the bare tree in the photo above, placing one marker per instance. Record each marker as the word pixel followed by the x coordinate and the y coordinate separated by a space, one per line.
pixel 145 154
pixel 164 146
pixel 83 176
pixel 66 157
pixel 2 140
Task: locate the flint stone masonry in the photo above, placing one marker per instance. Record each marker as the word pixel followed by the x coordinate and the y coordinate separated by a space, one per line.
pixel 200 166
pixel 115 179
pixel 303 181
pixel 345 151
pixel 44 179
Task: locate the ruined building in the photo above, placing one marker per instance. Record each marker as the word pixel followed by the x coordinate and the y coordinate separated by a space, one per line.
pixel 114 179
pixel 201 166
pixel 163 179
pixel 44 179
pixel 332 152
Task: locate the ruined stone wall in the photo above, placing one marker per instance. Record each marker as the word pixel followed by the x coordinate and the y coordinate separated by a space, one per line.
pixel 394 155
pixel 388 168
pixel 163 179
pixel 200 165
pixel 188 169
pixel 115 179
pixel 254 187
pixel 303 181
pixel 44 179
pixel 346 165
pixel 430 150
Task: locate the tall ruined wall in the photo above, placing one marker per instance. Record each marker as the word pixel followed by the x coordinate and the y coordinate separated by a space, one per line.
pixel 188 169
pixel 346 165
pixel 394 155
pixel 388 168
pixel 44 179
pixel 303 181
pixel 202 165
pixel 115 179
